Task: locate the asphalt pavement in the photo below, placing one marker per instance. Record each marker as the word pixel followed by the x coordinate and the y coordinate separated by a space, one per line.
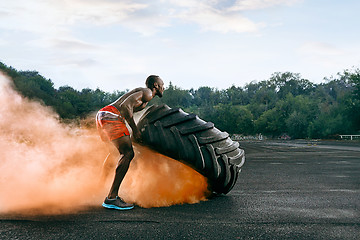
pixel 286 190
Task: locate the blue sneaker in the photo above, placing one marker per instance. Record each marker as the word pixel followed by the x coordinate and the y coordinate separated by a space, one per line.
pixel 117 204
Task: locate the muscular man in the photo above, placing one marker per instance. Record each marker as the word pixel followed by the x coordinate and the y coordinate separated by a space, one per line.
pixel 110 122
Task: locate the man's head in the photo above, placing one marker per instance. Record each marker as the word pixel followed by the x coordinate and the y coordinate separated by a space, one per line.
pixel 155 82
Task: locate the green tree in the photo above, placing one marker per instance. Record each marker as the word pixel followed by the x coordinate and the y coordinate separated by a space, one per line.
pixel 235 96
pixel 174 97
pixel 352 102
pixel 288 82
pixel 270 123
pixel 203 96
pixel 232 118
pixel 297 124
pixel 69 98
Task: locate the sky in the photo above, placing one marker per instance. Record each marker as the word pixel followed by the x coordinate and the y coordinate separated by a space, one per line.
pixel 116 44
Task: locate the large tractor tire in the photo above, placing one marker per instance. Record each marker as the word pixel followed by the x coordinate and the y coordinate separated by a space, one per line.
pixel 188 139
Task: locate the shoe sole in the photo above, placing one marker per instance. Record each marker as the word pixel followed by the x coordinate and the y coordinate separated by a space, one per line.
pixel 110 206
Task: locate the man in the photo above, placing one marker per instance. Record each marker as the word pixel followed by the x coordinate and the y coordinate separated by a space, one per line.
pixel 110 122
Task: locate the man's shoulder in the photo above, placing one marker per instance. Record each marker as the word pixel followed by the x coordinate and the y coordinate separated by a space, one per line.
pixel 147 94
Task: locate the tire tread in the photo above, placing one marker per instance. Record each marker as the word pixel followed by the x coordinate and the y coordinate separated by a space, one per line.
pixel 187 138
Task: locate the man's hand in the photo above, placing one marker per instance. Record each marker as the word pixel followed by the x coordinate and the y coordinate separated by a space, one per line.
pixel 137 135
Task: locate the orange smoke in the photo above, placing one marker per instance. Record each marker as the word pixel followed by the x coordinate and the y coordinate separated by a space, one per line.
pixel 45 165
pixel 49 167
pixel 155 180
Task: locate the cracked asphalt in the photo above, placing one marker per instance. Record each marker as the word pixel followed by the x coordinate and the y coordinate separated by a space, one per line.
pixel 286 190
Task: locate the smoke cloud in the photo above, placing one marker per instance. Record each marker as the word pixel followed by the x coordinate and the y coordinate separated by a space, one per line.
pixel 47 167
pixel 155 180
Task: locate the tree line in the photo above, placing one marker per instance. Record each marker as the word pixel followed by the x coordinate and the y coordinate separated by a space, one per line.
pixel 68 102
pixel 285 103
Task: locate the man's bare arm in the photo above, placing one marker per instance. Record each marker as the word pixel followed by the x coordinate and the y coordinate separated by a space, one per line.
pixel 133 103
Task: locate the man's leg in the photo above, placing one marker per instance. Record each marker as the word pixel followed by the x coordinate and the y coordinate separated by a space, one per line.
pixel 125 148
pixel 109 163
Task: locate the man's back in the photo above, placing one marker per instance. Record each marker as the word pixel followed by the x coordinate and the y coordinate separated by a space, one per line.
pixel 133 101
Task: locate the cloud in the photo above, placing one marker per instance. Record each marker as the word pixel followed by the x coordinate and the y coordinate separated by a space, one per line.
pixel 102 12
pixel 73 39
pixel 4 13
pixel 320 48
pixel 3 42
pixel 72 44
pixel 212 16
pixel 87 62
pixel 223 15
pixel 57 17
pixel 242 5
pixel 211 19
pixel 327 55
